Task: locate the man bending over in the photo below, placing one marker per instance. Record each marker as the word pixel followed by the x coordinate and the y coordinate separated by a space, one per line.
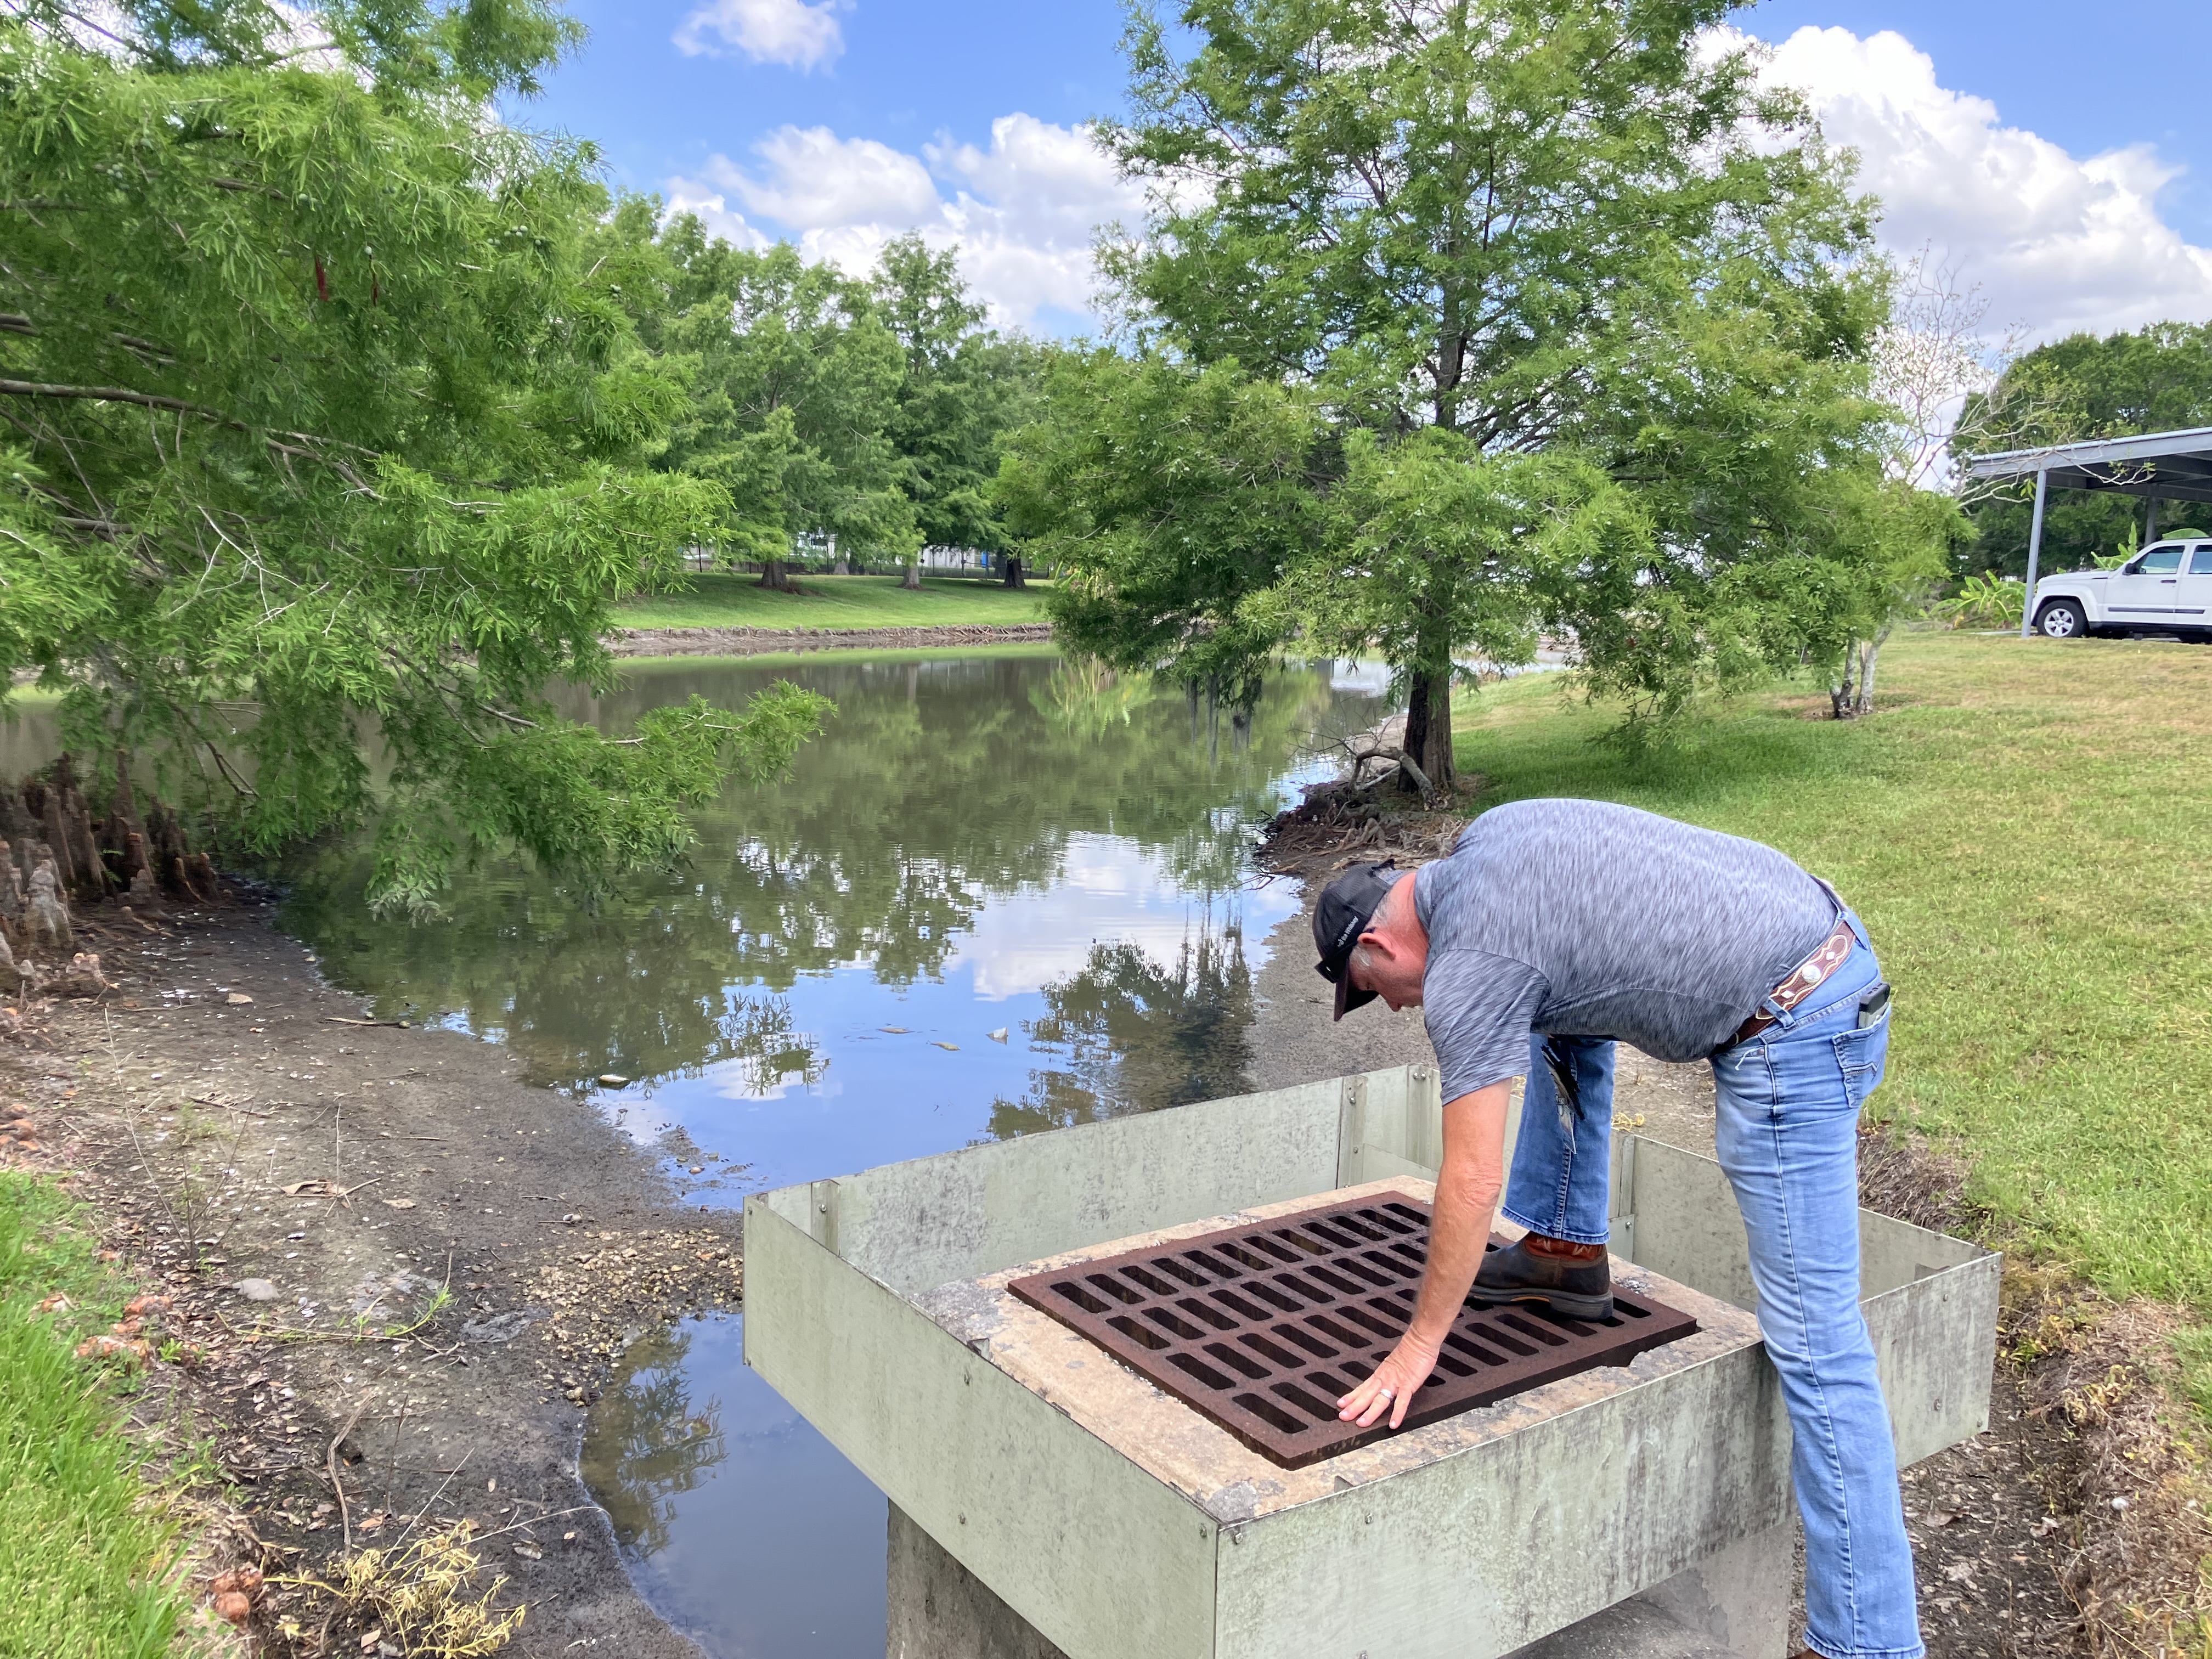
pixel 1557 927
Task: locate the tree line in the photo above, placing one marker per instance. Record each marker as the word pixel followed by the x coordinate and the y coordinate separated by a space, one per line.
pixel 1456 328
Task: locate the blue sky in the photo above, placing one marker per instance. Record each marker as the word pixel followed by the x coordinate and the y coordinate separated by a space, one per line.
pixel 2068 169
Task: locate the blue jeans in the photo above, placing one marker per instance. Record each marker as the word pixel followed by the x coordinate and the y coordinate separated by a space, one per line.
pixel 1787 1135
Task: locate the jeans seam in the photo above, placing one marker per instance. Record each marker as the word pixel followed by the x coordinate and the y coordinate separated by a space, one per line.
pixel 1828 1450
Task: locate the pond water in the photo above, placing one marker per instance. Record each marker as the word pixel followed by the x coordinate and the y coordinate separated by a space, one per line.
pixel 1000 893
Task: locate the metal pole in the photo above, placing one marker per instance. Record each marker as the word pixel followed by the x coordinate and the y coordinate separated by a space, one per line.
pixel 2150 519
pixel 2034 552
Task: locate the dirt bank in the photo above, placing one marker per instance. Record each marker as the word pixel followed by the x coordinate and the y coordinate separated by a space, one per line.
pixel 763 641
pixel 513 1237
pixel 2044 1537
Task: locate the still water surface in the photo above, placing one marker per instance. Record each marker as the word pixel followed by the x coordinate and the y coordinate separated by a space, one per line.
pixel 1000 894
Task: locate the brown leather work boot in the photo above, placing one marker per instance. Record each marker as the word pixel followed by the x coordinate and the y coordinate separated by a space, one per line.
pixel 1573 1280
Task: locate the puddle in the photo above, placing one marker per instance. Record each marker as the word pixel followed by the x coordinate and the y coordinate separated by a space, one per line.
pixel 728 1505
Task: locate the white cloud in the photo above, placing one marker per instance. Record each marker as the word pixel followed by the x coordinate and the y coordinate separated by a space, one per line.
pixel 791 32
pixel 2059 243
pixel 712 206
pixel 815 180
pixel 1024 212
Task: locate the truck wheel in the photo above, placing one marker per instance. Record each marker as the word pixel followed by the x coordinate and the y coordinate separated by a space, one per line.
pixel 2062 619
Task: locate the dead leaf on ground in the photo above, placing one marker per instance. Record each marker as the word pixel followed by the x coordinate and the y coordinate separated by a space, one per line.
pixel 400 1203
pixel 238 1000
pixel 324 1188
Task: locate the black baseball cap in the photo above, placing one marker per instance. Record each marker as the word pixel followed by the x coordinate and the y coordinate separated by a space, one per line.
pixel 1348 905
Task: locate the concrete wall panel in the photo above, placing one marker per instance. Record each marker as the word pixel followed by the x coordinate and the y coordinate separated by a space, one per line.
pixel 964 1214
pixel 1105 1561
pixel 1438 1562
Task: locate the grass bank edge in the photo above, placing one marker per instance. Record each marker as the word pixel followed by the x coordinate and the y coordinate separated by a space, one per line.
pixel 718 600
pixel 94 1558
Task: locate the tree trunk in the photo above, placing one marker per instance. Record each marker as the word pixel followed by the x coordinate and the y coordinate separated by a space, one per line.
pixel 1853 695
pixel 1014 571
pixel 1870 658
pixel 911 579
pixel 1429 730
pixel 775 576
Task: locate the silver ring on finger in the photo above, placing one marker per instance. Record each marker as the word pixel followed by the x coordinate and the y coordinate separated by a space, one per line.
pixel 1389 1394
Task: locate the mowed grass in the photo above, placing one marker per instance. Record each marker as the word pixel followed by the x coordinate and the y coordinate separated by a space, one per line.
pixel 82 1554
pixel 2027 828
pixel 719 600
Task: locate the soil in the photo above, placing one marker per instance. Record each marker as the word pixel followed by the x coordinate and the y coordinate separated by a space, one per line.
pixel 761 641
pixel 446 1299
pixel 2072 1527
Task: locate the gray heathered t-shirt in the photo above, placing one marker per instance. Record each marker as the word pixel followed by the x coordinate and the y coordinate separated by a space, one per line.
pixel 1580 918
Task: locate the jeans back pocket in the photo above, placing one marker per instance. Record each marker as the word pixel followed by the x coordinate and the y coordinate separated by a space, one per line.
pixel 1862 1055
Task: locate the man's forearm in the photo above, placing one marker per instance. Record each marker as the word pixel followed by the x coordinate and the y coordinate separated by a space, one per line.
pixel 1467 1189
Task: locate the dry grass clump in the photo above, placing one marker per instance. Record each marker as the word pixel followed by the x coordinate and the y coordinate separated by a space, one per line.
pixel 2121 1458
pixel 2125 1456
pixel 426 1597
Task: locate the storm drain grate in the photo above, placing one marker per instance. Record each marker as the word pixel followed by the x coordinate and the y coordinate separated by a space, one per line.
pixel 1263 1327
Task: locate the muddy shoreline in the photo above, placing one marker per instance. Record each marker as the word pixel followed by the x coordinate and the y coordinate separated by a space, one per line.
pixel 766 641
pixel 516 1240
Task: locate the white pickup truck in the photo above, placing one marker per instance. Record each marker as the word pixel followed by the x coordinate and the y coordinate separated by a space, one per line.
pixel 2164 589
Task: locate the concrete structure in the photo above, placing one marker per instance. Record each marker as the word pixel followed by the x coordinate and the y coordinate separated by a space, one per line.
pixel 1047 1501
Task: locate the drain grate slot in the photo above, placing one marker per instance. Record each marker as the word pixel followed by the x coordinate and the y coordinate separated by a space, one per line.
pixel 1262 1327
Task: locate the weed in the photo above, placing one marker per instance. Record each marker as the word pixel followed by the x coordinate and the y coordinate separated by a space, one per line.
pixel 428 1593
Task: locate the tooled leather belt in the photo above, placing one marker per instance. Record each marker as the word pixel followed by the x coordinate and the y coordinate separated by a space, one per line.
pixel 1803 981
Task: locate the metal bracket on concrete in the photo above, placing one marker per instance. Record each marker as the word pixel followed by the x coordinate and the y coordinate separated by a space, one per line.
pixel 1352 1133
pixel 822 1212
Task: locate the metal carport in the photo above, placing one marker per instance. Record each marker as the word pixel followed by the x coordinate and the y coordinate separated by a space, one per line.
pixel 2162 466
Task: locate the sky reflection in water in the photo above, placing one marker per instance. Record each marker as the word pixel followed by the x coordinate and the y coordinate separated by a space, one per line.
pixel 1004 842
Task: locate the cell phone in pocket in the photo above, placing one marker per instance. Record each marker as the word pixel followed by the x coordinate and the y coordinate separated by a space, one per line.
pixel 1873 1005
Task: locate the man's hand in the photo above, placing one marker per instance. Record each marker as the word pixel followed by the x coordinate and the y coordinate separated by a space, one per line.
pixel 1459 1227
pixel 1392 1386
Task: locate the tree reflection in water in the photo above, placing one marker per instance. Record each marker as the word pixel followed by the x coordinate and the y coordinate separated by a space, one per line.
pixel 941 787
pixel 645 1445
pixel 1132 1034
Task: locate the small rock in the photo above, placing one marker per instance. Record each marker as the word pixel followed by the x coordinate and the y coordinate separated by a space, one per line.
pixel 257 1290
pixel 502 1328
pixel 612 1080
pixel 238 1000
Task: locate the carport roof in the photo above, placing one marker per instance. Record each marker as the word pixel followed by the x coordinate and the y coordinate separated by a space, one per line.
pixel 2172 466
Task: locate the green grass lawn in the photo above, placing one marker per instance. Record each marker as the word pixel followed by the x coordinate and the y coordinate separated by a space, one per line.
pixel 81 1550
pixel 717 600
pixel 2027 829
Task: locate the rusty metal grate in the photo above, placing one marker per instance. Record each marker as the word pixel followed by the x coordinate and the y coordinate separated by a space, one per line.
pixel 1263 1327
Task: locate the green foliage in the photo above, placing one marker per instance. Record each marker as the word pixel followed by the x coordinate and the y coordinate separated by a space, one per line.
pixel 325 414
pixel 1622 289
pixel 795 381
pixel 965 387
pixel 1167 497
pixel 2157 378
pixel 83 1555
pixel 1984 600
